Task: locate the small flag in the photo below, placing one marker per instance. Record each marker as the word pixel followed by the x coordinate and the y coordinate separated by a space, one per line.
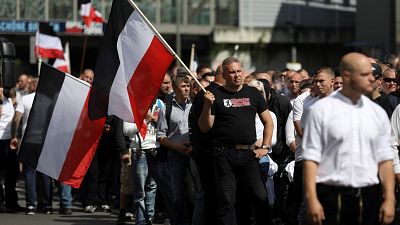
pixel 60 140
pixel 48 44
pixel 63 64
pixel 89 13
pixel 130 67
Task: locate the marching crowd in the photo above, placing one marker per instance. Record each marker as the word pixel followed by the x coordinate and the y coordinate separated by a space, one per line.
pixel 271 147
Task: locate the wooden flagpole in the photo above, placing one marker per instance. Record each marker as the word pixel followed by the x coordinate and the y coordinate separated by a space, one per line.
pixel 165 43
pixel 83 55
pixel 192 56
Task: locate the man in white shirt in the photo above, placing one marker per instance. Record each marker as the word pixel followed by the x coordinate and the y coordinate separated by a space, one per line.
pixel 346 143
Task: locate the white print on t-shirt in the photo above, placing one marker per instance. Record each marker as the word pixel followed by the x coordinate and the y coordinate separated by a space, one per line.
pixel 236 102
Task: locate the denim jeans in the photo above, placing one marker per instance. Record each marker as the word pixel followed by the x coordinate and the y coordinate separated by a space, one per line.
pixel 65 196
pixel 30 187
pixel 144 189
pixel 239 168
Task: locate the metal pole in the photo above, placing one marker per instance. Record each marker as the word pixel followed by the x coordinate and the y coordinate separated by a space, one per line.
pixel 165 43
pixel 178 27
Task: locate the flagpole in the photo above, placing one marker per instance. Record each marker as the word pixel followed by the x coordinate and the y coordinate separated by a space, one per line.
pixel 192 56
pixel 165 43
pixel 83 55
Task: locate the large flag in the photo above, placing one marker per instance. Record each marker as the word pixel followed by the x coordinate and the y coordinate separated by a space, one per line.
pixel 89 13
pixel 60 140
pixel 130 67
pixel 48 44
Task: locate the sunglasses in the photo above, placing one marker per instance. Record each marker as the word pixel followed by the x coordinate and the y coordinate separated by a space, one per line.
pixel 388 80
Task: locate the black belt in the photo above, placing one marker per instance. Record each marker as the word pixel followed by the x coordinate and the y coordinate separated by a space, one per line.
pixel 323 188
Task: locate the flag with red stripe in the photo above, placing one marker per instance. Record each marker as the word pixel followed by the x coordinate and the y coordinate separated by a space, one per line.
pixel 48 44
pixel 130 67
pixel 89 13
pixel 60 140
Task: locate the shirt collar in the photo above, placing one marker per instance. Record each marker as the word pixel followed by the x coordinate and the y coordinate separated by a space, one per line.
pixel 346 99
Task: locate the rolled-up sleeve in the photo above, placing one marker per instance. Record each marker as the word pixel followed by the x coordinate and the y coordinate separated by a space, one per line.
pixel 289 129
pixel 162 125
pixel 385 142
pixel 297 109
pixel 313 138
pixel 395 125
pixel 130 129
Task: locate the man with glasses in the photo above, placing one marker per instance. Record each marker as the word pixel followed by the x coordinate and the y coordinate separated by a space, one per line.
pixel 376 95
pixel 389 87
pixel 293 86
pixel 389 81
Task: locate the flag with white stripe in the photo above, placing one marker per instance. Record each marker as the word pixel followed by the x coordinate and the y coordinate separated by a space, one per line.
pixel 48 44
pixel 89 13
pixel 130 67
pixel 60 140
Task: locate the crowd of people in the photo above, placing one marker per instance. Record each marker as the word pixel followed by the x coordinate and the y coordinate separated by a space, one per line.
pixel 231 147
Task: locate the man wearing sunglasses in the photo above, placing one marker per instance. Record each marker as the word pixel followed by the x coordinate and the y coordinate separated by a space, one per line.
pixel 389 81
pixel 389 87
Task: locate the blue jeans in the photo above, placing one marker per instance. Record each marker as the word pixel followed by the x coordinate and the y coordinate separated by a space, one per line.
pixel 30 187
pixel 144 189
pixel 65 196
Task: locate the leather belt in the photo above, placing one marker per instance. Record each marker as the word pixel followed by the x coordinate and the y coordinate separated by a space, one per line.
pixel 238 146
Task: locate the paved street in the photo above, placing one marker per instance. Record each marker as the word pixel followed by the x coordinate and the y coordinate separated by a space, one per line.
pixel 78 217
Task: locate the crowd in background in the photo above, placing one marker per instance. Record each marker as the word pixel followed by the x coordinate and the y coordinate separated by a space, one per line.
pixel 172 173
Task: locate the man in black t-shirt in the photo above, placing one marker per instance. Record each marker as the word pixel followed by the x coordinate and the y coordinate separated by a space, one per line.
pixel 231 114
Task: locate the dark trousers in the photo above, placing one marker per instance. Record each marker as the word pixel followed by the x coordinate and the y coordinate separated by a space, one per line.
pixel 234 167
pixel 349 206
pixel 298 185
pixel 202 157
pixel 8 163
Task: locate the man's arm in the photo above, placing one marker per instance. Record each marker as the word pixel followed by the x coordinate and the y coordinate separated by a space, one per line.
pixel 206 120
pixel 386 212
pixel 297 127
pixel 315 210
pixel 179 147
pixel 14 128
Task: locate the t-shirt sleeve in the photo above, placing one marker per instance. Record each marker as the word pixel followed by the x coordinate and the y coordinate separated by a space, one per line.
pixel 20 106
pixel 313 136
pixel 385 143
pixel 297 109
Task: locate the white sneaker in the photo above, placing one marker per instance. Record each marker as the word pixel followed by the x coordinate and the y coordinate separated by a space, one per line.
pixel 106 208
pixel 90 209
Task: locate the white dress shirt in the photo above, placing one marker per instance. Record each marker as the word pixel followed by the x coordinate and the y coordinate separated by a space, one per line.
pixel 395 121
pixel 7 114
pixel 347 140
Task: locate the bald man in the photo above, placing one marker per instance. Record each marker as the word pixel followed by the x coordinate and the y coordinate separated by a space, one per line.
pixel 87 76
pixel 347 143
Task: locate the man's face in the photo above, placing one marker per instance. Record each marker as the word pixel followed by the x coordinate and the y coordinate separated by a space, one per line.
pixel 323 83
pixel 233 75
pixel 294 83
pixel 389 81
pixel 361 78
pixel 87 76
pixel 166 85
pixel 22 83
pixel 337 83
pixel 183 90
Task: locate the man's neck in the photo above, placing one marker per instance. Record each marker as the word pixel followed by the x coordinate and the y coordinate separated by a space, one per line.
pixel 180 99
pixel 233 88
pixel 351 94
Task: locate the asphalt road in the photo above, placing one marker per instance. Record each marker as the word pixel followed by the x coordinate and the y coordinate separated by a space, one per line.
pixel 78 217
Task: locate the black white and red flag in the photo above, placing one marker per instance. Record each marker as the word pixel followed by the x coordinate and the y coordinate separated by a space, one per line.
pixel 48 44
pixel 89 13
pixel 130 67
pixel 60 140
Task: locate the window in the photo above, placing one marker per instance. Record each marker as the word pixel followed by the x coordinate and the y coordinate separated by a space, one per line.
pixel 32 9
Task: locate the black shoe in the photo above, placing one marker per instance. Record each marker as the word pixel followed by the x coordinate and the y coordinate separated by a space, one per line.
pixel 65 211
pixel 2 208
pixel 121 218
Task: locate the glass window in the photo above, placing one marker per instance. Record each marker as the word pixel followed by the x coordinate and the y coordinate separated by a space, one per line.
pixel 198 12
pixel 168 11
pixel 32 9
pixel 61 9
pixel 149 9
pixel 227 12
pixel 8 9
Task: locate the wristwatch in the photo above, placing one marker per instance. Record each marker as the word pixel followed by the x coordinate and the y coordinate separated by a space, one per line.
pixel 265 147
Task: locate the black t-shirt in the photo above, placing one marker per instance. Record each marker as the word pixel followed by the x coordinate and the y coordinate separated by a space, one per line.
pixel 196 136
pixel 235 113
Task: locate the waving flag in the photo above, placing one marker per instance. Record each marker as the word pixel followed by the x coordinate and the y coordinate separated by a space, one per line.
pixel 60 140
pixel 48 44
pixel 64 64
pixel 130 67
pixel 89 13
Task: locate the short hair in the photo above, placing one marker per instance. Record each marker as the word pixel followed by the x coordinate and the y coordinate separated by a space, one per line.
pixel 200 68
pixel 325 69
pixel 229 61
pixel 390 60
pixel 179 78
pixel 308 83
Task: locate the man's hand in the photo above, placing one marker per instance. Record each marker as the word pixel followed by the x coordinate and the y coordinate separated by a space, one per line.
pixel 260 152
pixel 315 212
pixel 14 144
pixel 150 118
pixel 125 158
pixel 386 212
pixel 107 129
pixel 208 98
pixel 183 149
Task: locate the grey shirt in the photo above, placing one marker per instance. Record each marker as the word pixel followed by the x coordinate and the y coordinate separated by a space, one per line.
pixel 178 125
